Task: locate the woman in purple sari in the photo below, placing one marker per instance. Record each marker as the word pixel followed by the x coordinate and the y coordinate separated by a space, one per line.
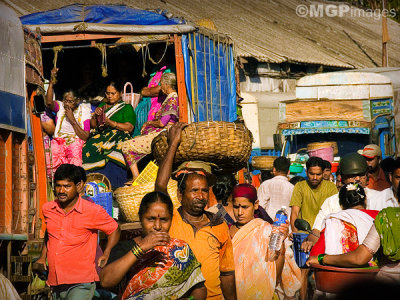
pixel 138 147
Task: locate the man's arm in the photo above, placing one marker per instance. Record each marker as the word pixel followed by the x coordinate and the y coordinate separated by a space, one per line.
pixel 112 240
pixel 263 196
pixel 293 217
pixel 43 256
pixel 228 286
pixel 165 168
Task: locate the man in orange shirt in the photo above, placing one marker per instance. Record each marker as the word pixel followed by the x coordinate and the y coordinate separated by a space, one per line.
pixel 377 180
pixel 72 225
pixel 206 234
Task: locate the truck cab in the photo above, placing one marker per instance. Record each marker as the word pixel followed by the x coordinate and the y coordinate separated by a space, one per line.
pixel 351 108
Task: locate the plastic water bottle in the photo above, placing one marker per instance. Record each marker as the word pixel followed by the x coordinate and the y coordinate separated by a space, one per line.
pixel 276 238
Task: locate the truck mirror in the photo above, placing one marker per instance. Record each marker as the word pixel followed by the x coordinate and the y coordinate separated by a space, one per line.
pixel 277 142
pixel 374 136
pixel 39 105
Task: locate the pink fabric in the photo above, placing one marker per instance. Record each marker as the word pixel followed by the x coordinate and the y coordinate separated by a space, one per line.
pixel 155 104
pixel 63 154
pixel 166 119
pixel 86 125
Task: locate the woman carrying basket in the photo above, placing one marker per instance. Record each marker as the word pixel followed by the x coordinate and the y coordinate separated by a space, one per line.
pixel 138 147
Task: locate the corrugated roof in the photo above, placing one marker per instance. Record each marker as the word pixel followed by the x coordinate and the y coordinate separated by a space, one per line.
pixel 270 30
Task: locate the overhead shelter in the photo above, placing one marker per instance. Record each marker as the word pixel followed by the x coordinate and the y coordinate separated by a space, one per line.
pixel 204 59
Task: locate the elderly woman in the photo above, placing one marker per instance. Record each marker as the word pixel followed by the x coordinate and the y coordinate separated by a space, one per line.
pixel 72 127
pixel 138 147
pixel 154 265
pixel 113 121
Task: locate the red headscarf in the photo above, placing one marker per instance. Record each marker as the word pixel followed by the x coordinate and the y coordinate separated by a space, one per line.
pixel 245 190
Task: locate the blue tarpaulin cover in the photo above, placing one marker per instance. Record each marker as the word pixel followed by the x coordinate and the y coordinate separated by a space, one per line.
pixel 102 14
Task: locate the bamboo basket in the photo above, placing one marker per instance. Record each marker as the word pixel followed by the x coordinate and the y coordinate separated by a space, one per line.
pixel 319 145
pixel 130 197
pixel 263 162
pixel 226 144
pixel 98 177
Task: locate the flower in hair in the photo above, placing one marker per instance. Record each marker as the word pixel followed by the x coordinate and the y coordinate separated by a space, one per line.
pixel 352 187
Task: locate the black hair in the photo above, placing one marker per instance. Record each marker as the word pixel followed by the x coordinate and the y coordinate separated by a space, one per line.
pixel 327 165
pixel 116 84
pixel 182 178
pixel 154 197
pixel 351 195
pixel 282 164
pixel 265 175
pixel 296 179
pixel 68 172
pixel 223 187
pixel 315 161
pixel 83 173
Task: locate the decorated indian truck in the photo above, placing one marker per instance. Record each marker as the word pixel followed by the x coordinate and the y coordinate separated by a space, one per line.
pixel 351 108
pixel 23 183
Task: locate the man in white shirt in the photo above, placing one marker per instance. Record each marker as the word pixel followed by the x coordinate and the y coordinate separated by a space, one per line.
pixel 277 191
pixel 353 168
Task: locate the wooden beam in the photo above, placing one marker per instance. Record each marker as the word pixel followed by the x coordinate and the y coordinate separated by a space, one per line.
pixel 180 77
pixel 9 182
pixel 78 37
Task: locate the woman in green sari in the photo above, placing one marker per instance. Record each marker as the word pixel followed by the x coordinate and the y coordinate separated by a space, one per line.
pixel 112 123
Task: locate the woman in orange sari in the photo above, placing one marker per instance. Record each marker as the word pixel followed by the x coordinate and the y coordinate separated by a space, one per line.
pixel 257 276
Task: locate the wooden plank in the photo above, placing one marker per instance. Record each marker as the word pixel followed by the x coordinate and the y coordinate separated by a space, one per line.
pixel 9 183
pixel 77 37
pixel 180 77
pixel 325 110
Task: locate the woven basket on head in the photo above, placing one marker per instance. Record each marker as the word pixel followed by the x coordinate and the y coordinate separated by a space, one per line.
pixel 226 144
pixel 263 162
pixel 98 177
pixel 129 198
pixel 319 145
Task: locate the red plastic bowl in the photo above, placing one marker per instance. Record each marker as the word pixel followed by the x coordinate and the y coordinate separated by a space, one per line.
pixel 333 279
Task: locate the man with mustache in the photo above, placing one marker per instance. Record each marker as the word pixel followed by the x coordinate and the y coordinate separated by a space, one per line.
pixel 377 179
pixel 206 233
pixel 72 226
pixel 307 198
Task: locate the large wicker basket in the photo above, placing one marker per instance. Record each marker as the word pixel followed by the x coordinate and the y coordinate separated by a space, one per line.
pixel 263 162
pixel 226 144
pixel 129 198
pixel 319 145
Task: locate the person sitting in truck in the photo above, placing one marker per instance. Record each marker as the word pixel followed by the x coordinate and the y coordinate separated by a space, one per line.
pixel 377 180
pixel 113 121
pixel 72 127
pixel 140 146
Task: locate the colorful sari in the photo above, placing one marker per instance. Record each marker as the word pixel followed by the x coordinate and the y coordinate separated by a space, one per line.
pixel 104 146
pixel 255 274
pixel 138 147
pixel 345 230
pixel 179 272
pixel 387 224
pixel 156 101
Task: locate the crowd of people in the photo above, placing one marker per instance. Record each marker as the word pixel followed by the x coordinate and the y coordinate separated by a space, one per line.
pixel 199 251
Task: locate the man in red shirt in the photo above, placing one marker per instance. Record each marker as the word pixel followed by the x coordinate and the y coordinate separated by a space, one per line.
pixel 72 226
pixel 377 180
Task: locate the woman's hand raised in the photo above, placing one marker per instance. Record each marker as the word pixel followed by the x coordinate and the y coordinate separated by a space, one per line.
pixel 154 239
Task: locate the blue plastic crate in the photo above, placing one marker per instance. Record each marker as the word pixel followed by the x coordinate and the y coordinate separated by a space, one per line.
pixel 299 256
pixel 105 200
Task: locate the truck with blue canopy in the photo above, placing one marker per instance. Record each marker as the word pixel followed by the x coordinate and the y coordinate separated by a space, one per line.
pixel 352 108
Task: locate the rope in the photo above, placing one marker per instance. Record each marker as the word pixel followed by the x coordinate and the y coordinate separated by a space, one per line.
pixel 103 50
pixel 56 49
pixel 144 53
pixel 154 62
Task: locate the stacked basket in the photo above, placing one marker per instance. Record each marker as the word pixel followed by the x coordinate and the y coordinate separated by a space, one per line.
pixel 226 144
pixel 130 197
pixel 263 162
